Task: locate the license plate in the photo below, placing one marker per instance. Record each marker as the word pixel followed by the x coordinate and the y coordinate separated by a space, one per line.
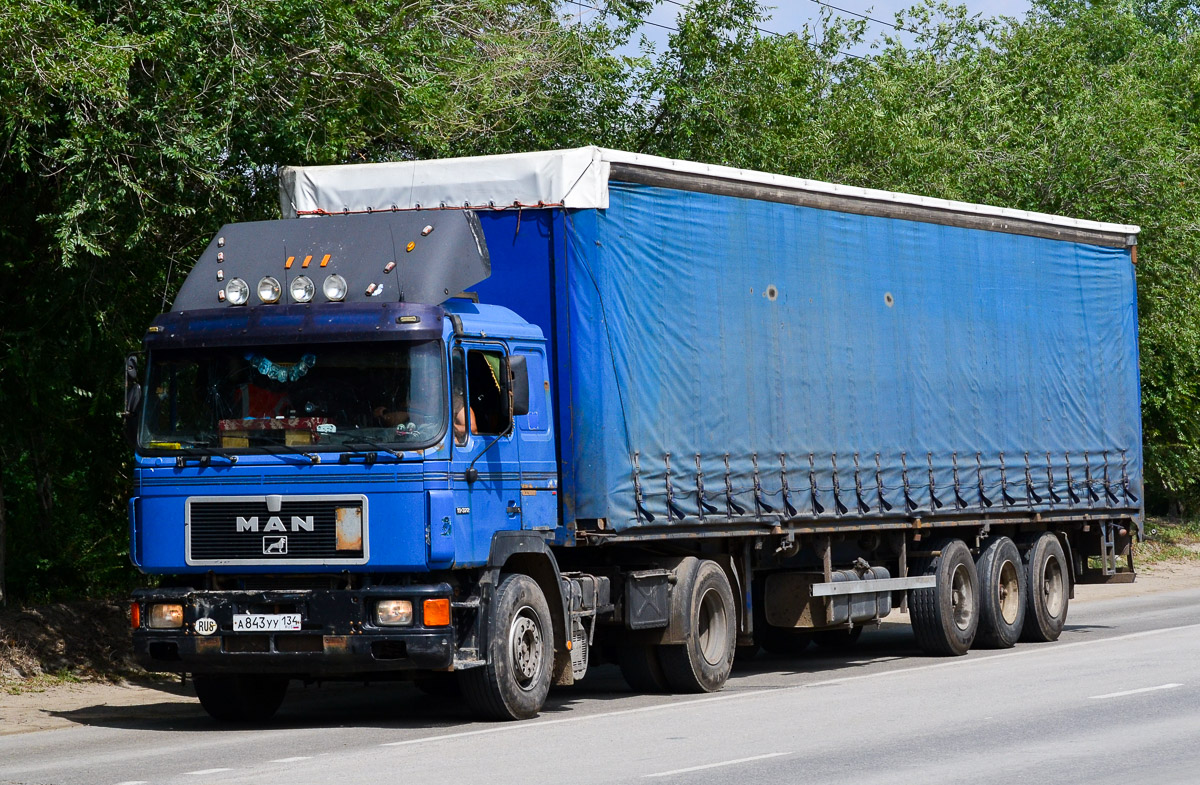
pixel 265 622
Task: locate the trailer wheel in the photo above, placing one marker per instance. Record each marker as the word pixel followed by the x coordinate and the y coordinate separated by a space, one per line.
pixel 946 617
pixel 840 639
pixel 240 697
pixel 1002 594
pixel 640 667
pixel 1046 597
pixel 516 679
pixel 703 662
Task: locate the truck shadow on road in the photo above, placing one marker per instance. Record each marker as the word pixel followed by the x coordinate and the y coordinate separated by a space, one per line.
pixel 401 706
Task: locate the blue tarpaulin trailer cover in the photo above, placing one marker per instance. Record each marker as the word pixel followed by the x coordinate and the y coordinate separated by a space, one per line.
pixel 738 348
pixel 736 354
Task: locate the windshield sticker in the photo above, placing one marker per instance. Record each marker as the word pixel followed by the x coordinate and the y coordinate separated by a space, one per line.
pixel 326 427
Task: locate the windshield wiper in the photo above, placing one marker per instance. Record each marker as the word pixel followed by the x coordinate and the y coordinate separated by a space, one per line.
pixel 268 448
pixel 202 455
pixel 345 458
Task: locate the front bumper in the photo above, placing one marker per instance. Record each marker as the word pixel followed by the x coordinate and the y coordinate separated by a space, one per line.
pixel 338 636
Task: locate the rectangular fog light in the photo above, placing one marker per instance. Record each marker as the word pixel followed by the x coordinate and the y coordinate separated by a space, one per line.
pixel 393 613
pixel 166 617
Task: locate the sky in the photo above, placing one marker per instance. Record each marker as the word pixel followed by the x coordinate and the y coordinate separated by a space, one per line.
pixel 788 15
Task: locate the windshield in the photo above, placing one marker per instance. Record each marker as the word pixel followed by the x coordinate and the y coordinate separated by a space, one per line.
pixel 295 398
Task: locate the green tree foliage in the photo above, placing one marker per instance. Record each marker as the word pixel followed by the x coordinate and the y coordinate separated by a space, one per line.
pixel 1085 109
pixel 131 129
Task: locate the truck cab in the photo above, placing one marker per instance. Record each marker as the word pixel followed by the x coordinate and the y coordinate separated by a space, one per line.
pixel 324 476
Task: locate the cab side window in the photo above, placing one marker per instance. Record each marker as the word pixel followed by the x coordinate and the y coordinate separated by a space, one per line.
pixel 488 396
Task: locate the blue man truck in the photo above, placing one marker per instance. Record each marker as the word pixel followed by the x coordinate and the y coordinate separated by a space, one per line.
pixel 494 419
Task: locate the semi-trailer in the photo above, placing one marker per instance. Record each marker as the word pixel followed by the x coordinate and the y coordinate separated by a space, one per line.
pixel 494 419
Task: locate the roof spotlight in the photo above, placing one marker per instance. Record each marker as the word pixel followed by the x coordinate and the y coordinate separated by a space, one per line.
pixel 302 289
pixel 335 288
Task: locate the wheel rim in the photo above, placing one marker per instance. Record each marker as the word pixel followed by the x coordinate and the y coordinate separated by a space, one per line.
pixel 962 598
pixel 1053 587
pixel 1008 593
pixel 712 627
pixel 525 645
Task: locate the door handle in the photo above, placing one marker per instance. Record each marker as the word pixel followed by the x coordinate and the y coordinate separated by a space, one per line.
pixel 513 510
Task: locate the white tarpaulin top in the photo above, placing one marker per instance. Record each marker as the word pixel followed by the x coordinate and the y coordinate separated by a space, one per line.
pixel 576 179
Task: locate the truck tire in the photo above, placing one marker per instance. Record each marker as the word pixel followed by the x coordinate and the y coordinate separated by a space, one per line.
pixel 516 679
pixel 240 697
pixel 640 666
pixel 946 617
pixel 839 639
pixel 703 662
pixel 1047 590
pixel 1002 592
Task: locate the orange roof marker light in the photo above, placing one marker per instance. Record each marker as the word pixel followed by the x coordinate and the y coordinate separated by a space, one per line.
pixel 325 260
pixel 307 259
pixel 288 264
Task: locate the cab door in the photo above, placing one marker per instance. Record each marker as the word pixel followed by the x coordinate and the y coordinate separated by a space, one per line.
pixel 485 469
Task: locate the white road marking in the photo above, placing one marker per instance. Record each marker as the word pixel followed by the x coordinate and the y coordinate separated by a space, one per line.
pixel 715 765
pixel 207 771
pixel 727 696
pixel 133 782
pixel 1134 692
pixel 291 760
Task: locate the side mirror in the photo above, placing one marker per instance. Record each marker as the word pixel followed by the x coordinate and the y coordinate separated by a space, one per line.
pixel 518 384
pixel 133 399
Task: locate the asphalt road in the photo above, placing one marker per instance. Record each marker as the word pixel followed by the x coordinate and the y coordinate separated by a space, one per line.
pixel 1114 701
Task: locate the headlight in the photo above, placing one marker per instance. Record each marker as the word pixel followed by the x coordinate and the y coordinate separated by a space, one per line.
pixel 166 617
pixel 237 291
pixel 302 289
pixel 269 290
pixel 335 288
pixel 393 613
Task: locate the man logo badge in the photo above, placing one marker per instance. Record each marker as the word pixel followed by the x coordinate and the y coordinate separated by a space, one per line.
pixel 274 546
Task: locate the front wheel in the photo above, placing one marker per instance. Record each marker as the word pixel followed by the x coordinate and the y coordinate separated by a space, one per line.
pixel 516 679
pixel 240 697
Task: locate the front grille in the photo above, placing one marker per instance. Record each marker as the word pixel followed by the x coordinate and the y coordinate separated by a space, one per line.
pixel 245 530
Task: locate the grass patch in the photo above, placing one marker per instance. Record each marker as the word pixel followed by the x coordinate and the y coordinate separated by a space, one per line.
pixel 39 683
pixel 1169 539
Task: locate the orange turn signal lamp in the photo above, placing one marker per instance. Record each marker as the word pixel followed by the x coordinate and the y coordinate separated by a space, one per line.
pixel 436 613
pixel 135 615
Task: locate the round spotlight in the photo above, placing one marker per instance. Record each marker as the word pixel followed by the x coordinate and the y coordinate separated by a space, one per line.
pixel 237 292
pixel 269 290
pixel 302 289
pixel 335 288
